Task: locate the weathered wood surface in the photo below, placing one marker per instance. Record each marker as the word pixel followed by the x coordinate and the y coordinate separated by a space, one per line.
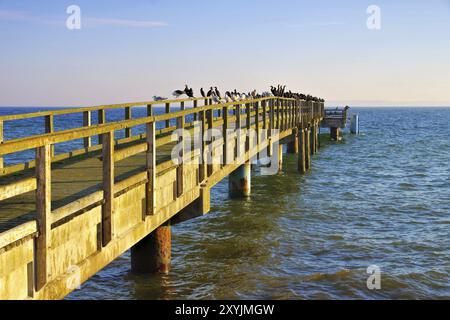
pixel 105 200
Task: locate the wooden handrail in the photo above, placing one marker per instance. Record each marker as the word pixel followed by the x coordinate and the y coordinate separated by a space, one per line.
pixel 95 108
pixel 22 144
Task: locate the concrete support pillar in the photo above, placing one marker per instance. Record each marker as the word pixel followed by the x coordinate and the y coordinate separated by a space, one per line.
pixel 198 208
pixel 153 253
pixel 239 181
pixel 308 148
pixel 313 139
pixel 301 152
pixel 292 147
pixel 335 134
pixel 280 158
pixel 317 137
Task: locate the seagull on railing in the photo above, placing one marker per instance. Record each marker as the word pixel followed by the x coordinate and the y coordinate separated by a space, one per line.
pixel 179 93
pixel 158 98
pixel 243 97
pixel 215 98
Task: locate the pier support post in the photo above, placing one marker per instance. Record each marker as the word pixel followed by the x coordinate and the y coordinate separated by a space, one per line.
pixel 153 253
pixel 308 148
pixel 280 158
pixel 239 181
pixel 292 147
pixel 335 134
pixel 318 136
pixel 313 139
pixel 198 208
pixel 301 152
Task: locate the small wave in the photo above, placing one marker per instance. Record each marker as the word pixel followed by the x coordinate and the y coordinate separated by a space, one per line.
pixel 344 273
pixel 335 237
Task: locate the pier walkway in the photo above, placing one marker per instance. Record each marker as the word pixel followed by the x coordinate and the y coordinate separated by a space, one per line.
pixel 64 217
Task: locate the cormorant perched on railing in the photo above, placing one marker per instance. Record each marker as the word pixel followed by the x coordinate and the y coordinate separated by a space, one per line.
pixel 217 93
pixel 189 92
pixel 210 92
pixel 214 94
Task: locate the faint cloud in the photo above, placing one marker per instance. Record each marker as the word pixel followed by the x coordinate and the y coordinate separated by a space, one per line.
pixel 316 24
pixel 22 16
pixel 127 23
pixel 328 24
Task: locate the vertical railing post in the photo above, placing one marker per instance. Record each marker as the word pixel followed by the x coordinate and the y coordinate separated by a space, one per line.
pixel 50 128
pixel 167 111
pixel 277 101
pixel 195 106
pixel 151 168
pixel 127 117
pixel 294 103
pixel 108 187
pixel 264 111
pixel 203 174
pixel 43 214
pixel 1 141
pixel 149 110
pixel 256 104
pixel 237 148
pixel 225 135
pixel 248 123
pixel 293 113
pixel 271 126
pixel 87 123
pixel 101 115
pixel 210 121
pixel 180 167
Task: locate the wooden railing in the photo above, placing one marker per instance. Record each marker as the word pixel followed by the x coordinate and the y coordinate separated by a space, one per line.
pixel 260 114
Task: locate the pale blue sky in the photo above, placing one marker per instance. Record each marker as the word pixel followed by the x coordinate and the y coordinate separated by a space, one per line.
pixel 319 47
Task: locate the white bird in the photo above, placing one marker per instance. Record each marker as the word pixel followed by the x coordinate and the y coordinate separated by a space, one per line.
pixel 215 98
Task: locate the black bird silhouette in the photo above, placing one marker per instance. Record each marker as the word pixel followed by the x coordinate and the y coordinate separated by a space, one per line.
pixel 202 92
pixel 218 93
pixel 273 90
pixel 189 92
pixel 228 94
pixel 210 92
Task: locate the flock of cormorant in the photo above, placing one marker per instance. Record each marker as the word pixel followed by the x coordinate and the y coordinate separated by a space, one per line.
pixel 232 96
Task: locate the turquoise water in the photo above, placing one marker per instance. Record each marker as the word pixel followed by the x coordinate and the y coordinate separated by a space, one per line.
pixel 381 198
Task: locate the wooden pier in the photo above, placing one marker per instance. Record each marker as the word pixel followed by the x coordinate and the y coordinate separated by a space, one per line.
pixel 64 217
pixel 336 120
